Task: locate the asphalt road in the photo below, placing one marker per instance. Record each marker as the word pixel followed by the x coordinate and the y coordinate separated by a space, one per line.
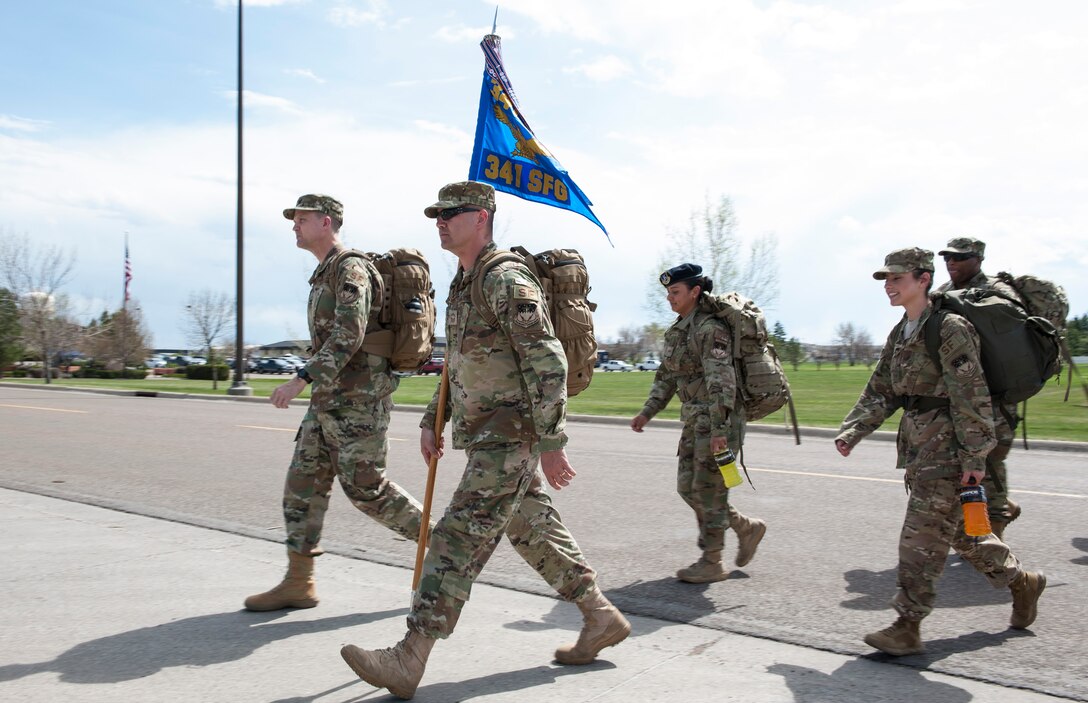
pixel 822 578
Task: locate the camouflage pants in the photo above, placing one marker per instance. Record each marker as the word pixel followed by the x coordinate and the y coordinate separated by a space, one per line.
pixel 500 492
pixel 934 522
pixel 700 484
pixel 998 500
pixel 348 443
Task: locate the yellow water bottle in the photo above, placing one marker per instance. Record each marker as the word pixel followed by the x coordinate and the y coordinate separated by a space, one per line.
pixel 976 520
pixel 727 464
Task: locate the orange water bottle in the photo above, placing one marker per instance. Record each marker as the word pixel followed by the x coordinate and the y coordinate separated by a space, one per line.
pixel 727 464
pixel 976 520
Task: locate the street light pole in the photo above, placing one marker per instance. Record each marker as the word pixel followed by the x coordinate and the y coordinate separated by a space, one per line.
pixel 239 387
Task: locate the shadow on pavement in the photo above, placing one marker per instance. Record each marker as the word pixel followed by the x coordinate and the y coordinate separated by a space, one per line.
pixel 862 680
pixel 960 586
pixel 1081 543
pixel 198 641
pixel 490 685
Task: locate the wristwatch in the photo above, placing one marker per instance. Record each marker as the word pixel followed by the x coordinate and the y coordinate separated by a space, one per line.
pixel 302 373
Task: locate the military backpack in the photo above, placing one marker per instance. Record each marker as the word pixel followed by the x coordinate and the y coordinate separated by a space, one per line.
pixel 402 311
pixel 564 280
pixel 1019 351
pixel 761 380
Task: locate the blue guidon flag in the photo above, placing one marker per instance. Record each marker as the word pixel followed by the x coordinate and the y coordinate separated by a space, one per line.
pixel 507 154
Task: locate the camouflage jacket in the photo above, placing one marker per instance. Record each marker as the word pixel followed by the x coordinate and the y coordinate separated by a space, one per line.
pixel 507 384
pixel 981 280
pixel 338 310
pixel 948 439
pixel 697 366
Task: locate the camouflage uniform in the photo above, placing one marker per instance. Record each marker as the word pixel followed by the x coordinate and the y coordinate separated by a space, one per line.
pixel 946 429
pixel 344 430
pixel 697 366
pixel 1002 511
pixel 508 401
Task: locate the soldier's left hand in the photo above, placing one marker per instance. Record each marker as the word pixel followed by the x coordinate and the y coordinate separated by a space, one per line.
pixel 283 395
pixel 972 478
pixel 557 469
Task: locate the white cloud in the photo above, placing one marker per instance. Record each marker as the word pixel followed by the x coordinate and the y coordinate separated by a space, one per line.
pixel 21 124
pixel 349 16
pixel 304 73
pixel 606 68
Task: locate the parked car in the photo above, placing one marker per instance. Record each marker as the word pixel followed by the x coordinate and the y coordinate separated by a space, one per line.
pixel 296 361
pixel 154 362
pixel 274 366
pixel 432 366
pixel 616 365
pixel 648 365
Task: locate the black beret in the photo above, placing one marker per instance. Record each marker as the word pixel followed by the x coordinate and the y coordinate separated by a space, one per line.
pixel 680 273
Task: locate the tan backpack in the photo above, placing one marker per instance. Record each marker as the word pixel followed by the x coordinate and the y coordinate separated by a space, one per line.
pixel 761 380
pixel 564 279
pixel 402 313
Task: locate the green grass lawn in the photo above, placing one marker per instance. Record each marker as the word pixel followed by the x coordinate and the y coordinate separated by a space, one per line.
pixel 822 396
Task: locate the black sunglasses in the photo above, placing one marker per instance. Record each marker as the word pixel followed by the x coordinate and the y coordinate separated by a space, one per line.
pixel 452 212
pixel 958 257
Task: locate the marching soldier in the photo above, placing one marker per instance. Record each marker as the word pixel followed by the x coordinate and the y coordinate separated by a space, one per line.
pixel 508 391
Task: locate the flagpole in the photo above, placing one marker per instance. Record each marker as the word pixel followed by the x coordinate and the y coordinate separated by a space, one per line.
pixel 238 386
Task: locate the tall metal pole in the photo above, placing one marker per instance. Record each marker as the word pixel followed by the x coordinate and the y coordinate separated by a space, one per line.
pixel 239 387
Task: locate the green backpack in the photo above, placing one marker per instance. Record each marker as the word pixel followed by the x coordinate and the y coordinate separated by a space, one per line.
pixel 1019 352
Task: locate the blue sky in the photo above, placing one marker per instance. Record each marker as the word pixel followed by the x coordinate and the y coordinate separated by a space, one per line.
pixel 846 129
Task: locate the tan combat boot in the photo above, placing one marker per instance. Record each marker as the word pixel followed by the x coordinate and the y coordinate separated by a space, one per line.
pixel 604 626
pixel 398 668
pixel 999 526
pixel 749 534
pixel 707 570
pixel 297 590
pixel 899 640
pixel 1026 590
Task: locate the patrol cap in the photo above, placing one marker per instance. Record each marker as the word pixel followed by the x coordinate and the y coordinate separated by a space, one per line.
pixel 462 193
pixel 680 273
pixel 315 202
pixel 965 245
pixel 905 261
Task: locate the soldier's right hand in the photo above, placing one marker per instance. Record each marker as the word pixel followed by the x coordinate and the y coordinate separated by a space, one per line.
pixel 843 447
pixel 638 422
pixel 428 447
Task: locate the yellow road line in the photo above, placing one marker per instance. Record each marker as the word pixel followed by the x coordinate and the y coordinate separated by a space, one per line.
pixel 295 429
pixel 900 481
pixel 35 407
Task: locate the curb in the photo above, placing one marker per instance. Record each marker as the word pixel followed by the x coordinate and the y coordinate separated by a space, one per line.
pixel 1053 445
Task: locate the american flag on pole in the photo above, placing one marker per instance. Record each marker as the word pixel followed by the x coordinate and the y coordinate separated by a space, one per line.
pixel 128 270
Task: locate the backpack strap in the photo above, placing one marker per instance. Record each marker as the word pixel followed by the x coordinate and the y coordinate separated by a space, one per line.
pixel 487 265
pixel 376 340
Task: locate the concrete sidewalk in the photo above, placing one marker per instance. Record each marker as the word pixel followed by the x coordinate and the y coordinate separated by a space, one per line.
pixel 101 605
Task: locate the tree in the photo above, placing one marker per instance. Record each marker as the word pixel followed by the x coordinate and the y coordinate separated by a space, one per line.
pixel 793 352
pixel 853 344
pixel 778 335
pixel 1076 335
pixel 35 276
pixel 10 331
pixel 208 315
pixel 710 240
pixel 117 339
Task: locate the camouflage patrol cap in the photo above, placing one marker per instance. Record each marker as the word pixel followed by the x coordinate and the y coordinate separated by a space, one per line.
pixel 315 202
pixel 905 261
pixel 965 245
pixel 680 273
pixel 462 193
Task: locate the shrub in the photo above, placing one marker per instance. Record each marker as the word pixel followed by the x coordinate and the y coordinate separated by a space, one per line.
pixel 204 372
